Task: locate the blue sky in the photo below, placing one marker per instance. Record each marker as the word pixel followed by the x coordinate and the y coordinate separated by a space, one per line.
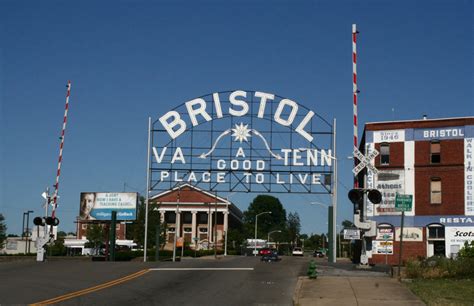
pixel 129 60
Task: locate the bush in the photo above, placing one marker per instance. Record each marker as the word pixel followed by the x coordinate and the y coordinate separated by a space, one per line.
pixel 440 267
pixel 467 251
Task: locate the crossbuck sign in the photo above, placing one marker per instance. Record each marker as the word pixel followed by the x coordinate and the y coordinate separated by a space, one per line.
pixel 365 161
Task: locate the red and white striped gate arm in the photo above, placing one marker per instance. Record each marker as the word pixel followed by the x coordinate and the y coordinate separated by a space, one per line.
pixel 61 146
pixel 355 92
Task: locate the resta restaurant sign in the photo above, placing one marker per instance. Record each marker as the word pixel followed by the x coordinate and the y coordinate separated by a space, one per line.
pixel 261 138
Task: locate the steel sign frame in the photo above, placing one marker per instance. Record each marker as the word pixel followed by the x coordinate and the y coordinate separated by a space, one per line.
pixel 232 142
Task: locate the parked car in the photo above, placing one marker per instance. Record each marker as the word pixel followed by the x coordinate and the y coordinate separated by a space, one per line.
pixel 318 254
pixel 272 256
pixel 264 251
pixel 297 252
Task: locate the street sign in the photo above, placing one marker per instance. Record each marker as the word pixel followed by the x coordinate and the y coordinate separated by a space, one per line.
pixel 403 202
pixel 365 161
pixel 351 234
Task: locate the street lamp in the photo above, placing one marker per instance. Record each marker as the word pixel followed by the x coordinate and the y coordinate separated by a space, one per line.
pixel 268 238
pixel 26 230
pixel 331 229
pixel 256 224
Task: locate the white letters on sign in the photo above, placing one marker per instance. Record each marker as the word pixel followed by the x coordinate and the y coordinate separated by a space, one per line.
pixel 198 111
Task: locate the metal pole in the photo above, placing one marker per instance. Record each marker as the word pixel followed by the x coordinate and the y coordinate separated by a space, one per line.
pixel 355 91
pixel 113 228
pixel 61 146
pixel 255 241
pixel 28 230
pixel 215 229
pixel 176 223
pixel 145 243
pixel 334 193
pixel 401 244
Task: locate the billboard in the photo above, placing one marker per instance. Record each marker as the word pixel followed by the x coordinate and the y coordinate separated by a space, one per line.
pixel 99 205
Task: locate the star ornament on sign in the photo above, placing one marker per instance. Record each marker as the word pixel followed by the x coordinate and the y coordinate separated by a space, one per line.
pixel 241 132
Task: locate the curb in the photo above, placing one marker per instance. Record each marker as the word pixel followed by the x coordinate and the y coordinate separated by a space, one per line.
pixel 296 294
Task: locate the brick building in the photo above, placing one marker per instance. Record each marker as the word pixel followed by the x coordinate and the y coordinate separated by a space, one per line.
pixel 432 160
pixel 190 213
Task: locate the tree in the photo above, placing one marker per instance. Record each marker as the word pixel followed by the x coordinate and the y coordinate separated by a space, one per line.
pixel 95 237
pixel 62 234
pixel 3 231
pixel 266 222
pixel 294 226
pixel 136 230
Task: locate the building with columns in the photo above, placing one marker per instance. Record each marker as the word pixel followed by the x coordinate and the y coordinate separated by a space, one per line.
pixel 200 217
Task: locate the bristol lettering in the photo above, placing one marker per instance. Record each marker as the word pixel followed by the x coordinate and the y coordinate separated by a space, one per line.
pixel 249 141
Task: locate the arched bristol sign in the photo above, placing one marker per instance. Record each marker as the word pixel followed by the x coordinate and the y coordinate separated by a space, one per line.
pixel 247 141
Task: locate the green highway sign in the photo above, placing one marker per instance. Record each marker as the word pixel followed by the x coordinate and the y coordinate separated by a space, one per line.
pixel 403 202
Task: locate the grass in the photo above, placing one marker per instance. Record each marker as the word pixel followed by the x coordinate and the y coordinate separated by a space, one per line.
pixel 444 291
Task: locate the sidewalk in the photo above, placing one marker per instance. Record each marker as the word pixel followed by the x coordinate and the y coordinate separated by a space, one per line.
pixel 352 290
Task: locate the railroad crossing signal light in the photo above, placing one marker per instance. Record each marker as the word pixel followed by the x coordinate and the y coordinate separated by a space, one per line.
pixel 374 196
pixel 38 221
pixel 52 221
pixel 357 196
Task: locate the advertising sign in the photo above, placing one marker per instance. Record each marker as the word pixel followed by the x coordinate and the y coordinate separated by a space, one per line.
pixel 351 234
pixel 469 176
pixel 384 233
pixel 99 205
pixel 456 237
pixel 247 141
pixel 409 234
pixel 389 183
pixel 384 247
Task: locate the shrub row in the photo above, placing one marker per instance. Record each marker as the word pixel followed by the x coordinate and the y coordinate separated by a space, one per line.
pixel 440 267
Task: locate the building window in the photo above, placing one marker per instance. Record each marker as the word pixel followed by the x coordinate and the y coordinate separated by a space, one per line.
pixel 385 154
pixel 187 217
pixel 171 229
pixel 203 230
pixel 435 191
pixel 188 229
pixel 436 232
pixel 170 217
pixel 84 226
pixel 435 152
pixel 202 217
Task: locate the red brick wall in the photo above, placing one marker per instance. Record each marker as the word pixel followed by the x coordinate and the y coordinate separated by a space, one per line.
pixel 452 153
pixel 411 250
pixel 119 234
pixel 451 173
pixel 397 156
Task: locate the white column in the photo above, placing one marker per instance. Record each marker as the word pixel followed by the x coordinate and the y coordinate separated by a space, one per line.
pixel 226 216
pixel 162 217
pixel 193 232
pixel 209 227
pixel 178 224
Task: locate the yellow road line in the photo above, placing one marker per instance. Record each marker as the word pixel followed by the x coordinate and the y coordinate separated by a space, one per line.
pixel 92 289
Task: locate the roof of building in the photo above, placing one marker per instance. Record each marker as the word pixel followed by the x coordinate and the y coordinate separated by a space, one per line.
pixel 187 194
pixel 419 123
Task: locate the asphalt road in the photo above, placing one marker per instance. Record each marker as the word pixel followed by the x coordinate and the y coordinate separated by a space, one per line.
pixel 233 280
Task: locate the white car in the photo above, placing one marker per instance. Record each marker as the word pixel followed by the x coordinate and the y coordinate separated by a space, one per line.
pixel 297 252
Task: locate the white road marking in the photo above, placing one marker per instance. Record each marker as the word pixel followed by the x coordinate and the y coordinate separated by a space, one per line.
pixel 201 269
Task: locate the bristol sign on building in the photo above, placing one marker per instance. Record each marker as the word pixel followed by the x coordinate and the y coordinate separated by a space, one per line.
pixel 247 141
